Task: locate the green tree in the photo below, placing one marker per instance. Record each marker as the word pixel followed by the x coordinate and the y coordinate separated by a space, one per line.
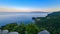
pixel 9 27
pixel 32 29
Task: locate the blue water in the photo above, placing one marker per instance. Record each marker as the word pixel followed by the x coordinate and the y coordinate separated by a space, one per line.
pixel 13 17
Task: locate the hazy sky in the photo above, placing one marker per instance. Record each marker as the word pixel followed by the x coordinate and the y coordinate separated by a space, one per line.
pixel 29 5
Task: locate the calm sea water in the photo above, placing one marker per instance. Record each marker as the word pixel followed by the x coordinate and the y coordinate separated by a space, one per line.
pixel 13 17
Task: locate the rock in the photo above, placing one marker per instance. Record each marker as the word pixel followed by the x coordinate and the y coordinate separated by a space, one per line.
pixel 44 32
pixel 0 31
pixel 5 31
pixel 13 33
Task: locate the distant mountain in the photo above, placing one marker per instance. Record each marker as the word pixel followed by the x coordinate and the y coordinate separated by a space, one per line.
pixel 39 12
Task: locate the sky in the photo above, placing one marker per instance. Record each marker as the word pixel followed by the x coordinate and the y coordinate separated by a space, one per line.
pixel 29 5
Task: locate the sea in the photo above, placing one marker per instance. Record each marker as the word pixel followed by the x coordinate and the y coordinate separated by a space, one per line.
pixel 18 17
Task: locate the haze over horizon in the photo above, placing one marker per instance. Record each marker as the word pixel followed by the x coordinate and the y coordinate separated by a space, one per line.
pixel 29 5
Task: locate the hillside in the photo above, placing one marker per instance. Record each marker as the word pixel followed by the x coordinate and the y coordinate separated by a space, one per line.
pixel 51 22
pixel 55 14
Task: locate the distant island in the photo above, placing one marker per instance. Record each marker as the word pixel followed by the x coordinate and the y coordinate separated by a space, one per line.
pixel 38 12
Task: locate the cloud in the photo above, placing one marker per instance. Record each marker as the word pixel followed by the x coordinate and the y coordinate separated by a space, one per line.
pixel 25 9
pixel 53 9
pixel 14 9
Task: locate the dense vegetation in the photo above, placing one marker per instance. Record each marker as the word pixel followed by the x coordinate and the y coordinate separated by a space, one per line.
pixel 22 28
pixel 51 22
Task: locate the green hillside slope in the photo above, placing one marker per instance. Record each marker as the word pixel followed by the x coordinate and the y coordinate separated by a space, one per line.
pixel 51 22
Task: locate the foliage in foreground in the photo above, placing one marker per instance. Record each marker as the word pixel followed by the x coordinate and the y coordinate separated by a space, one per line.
pixel 22 28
